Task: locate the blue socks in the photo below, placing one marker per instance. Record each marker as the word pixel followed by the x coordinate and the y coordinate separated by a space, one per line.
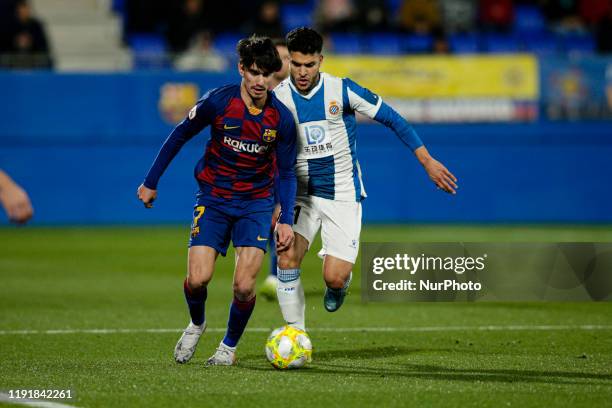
pixel 196 299
pixel 239 315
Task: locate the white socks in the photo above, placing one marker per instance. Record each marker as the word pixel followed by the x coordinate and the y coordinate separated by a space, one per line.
pixel 291 299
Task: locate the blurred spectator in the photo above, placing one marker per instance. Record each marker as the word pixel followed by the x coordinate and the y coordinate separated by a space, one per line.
pixel 201 56
pixel 26 45
pixel 335 15
pixel 420 16
pixel 603 33
pixel 268 22
pixel 563 15
pixel 497 15
pixel 146 16
pixel 185 24
pixel 372 15
pixel 440 43
pixel 14 200
pixel 593 11
pixel 458 15
pixel 7 11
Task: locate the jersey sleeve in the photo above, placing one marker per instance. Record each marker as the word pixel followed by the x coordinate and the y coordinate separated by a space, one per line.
pixel 361 99
pixel 286 153
pixel 404 131
pixel 200 116
pixel 364 101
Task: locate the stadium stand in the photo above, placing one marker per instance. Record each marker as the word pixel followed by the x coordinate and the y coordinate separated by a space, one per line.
pixel 85 27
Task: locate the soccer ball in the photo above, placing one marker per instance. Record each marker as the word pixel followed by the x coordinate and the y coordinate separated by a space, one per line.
pixel 288 347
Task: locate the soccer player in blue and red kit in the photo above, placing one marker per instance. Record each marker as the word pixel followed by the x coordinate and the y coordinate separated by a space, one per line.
pixel 250 128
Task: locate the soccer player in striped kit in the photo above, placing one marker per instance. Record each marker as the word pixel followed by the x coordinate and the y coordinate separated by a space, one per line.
pixel 250 130
pixel 330 189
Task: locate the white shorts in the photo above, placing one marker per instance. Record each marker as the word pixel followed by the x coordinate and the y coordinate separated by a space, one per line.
pixel 340 223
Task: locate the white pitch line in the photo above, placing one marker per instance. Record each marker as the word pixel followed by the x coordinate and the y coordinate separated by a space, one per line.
pixel 32 402
pixel 330 329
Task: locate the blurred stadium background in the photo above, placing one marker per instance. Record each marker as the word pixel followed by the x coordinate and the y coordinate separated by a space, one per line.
pixel 514 96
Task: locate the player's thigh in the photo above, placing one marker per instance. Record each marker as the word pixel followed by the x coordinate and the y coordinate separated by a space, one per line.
pixel 201 265
pixel 251 227
pixel 336 271
pixel 248 264
pixel 211 227
pixel 292 257
pixel 306 224
pixel 340 229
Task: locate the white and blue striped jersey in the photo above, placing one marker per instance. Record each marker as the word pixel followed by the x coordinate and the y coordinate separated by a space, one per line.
pixel 327 164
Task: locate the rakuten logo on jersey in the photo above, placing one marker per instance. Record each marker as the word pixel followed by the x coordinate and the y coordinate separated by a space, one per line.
pixel 239 146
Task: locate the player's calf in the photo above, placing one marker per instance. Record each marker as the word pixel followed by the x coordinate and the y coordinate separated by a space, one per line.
pixel 337 275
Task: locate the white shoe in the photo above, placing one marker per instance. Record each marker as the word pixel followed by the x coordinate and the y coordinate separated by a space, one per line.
pixel 224 356
pixel 187 343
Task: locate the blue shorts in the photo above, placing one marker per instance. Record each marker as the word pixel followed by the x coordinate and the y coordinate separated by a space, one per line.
pixel 245 222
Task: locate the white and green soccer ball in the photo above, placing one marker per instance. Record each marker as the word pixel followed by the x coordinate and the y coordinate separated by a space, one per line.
pixel 288 347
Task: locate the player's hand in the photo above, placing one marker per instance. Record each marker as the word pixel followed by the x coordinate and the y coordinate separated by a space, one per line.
pixel 284 236
pixel 16 202
pixel 146 195
pixel 442 178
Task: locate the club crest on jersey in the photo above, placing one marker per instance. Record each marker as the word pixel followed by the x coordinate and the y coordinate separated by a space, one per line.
pixel 334 108
pixel 269 135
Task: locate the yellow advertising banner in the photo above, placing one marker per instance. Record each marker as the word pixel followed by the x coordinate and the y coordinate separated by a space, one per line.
pixel 430 77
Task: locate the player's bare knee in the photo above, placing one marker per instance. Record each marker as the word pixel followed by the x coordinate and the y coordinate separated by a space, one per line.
pixel 198 276
pixel 244 290
pixel 196 281
pixel 288 259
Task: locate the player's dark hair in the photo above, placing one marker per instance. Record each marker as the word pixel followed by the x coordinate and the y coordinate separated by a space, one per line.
pixel 260 51
pixel 304 40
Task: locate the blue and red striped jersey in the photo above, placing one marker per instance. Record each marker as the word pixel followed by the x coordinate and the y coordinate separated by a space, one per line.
pixel 244 149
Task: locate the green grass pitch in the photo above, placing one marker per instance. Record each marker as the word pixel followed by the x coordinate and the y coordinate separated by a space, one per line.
pixel 130 278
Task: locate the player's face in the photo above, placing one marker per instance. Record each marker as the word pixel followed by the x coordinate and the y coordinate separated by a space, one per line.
pixel 305 70
pixel 286 59
pixel 254 80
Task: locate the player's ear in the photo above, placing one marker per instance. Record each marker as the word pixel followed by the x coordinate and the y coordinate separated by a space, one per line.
pixel 240 69
pixel 320 59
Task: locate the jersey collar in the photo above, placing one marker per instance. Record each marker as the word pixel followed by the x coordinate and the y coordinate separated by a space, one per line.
pixel 312 91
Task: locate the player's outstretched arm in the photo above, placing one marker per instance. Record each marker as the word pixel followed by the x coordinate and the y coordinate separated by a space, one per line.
pixel 146 195
pixel 198 118
pixel 437 172
pixel 15 200
pixel 364 101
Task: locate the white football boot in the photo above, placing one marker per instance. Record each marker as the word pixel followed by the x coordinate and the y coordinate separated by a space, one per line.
pixel 224 356
pixel 187 343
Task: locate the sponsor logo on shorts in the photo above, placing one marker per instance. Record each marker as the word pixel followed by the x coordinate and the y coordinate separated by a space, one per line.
pixel 259 238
